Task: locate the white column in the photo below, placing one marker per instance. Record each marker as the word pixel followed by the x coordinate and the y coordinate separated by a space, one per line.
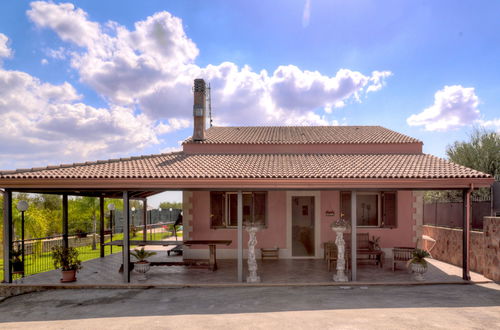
pixel 353 236
pixel 240 236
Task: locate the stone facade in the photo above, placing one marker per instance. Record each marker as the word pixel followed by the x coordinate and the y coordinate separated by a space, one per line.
pixel 491 266
pixel 484 247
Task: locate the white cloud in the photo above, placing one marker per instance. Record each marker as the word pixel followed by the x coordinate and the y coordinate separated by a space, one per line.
pixel 44 61
pixel 306 14
pixel 454 106
pixel 494 124
pixel 42 122
pixel 153 67
pixel 5 51
pixel 58 54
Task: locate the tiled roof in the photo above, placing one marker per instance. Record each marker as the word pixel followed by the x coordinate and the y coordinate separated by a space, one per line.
pixel 181 165
pixel 303 135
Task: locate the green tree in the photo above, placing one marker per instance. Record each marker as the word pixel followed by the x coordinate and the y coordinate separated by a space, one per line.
pixel 481 152
pixel 173 205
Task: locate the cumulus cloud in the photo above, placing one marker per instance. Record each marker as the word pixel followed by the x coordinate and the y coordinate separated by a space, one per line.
pixel 152 67
pixel 5 51
pixel 42 122
pixel 454 106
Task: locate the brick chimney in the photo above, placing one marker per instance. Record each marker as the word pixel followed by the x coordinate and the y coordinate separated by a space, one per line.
pixel 199 110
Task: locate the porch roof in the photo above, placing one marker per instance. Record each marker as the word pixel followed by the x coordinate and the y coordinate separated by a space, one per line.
pixel 191 170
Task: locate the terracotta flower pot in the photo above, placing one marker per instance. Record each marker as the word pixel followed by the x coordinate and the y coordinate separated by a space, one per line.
pixel 68 276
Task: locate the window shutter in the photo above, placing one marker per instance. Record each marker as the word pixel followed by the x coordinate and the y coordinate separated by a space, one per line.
pixel 216 209
pixel 389 217
pixel 259 207
pixel 345 205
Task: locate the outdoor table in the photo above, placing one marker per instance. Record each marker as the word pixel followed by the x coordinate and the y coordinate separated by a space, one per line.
pixel 212 258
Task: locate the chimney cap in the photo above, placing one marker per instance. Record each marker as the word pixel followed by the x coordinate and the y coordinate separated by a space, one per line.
pixel 199 85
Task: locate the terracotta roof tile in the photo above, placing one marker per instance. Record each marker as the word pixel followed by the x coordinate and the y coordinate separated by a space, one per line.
pixel 303 135
pixel 181 165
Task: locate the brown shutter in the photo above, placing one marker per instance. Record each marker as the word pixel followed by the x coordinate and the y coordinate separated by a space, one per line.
pixel 216 209
pixel 259 207
pixel 389 218
pixel 345 205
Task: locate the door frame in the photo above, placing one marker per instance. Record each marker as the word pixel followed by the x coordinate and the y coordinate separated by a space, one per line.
pixel 317 223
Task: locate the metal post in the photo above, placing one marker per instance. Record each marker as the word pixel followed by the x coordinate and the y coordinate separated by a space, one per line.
pixel 101 225
pixel 112 222
pixel 65 220
pixel 466 234
pixel 126 238
pixel 22 239
pixel 7 235
pixel 144 219
pixel 240 236
pixel 353 236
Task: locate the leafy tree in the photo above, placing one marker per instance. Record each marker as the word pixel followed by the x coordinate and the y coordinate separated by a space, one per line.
pixel 481 152
pixel 173 205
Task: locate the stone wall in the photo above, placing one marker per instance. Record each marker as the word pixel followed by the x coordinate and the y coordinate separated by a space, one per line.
pixel 484 247
pixel 491 268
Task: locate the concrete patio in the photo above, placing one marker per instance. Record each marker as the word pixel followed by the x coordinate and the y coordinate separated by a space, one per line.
pixel 284 271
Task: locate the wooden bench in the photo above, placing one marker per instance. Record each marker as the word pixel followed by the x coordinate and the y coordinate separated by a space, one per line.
pixel 270 253
pixel 364 249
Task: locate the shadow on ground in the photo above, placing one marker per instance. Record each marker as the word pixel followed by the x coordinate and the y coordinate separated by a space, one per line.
pixel 99 303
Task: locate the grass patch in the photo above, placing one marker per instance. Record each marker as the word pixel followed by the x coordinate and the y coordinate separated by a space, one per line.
pixel 39 263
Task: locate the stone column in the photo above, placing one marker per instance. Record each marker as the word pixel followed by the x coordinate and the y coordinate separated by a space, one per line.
pixel 252 263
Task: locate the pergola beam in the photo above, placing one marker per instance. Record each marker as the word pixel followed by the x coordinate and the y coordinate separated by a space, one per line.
pixel 65 226
pixel 101 226
pixel 354 222
pixel 7 235
pixel 466 195
pixel 126 237
pixel 240 235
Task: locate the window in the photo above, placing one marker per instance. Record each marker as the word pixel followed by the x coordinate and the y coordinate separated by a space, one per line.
pixel 224 208
pixel 373 209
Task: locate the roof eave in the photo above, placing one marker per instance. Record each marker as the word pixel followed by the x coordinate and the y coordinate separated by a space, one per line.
pixel 247 183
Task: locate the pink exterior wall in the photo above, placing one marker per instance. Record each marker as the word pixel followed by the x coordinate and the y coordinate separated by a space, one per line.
pixel 371 148
pixel 400 236
pixel 272 236
pixel 275 234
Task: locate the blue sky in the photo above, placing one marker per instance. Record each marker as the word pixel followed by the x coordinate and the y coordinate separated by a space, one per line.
pixel 88 80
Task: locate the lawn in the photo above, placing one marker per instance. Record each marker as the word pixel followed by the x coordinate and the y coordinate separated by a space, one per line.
pixel 43 262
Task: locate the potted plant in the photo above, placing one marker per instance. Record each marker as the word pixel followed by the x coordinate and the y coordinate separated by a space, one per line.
pixel 17 263
pixel 418 264
pixel 67 260
pixel 142 265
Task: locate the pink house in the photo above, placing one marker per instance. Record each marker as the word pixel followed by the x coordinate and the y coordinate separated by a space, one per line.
pixel 294 181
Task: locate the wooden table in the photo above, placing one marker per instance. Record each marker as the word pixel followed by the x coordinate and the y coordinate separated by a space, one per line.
pixel 212 258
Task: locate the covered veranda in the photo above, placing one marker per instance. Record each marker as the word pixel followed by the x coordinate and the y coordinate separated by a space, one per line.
pixel 230 271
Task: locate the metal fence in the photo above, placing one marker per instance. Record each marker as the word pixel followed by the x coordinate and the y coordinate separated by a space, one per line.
pixel 450 214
